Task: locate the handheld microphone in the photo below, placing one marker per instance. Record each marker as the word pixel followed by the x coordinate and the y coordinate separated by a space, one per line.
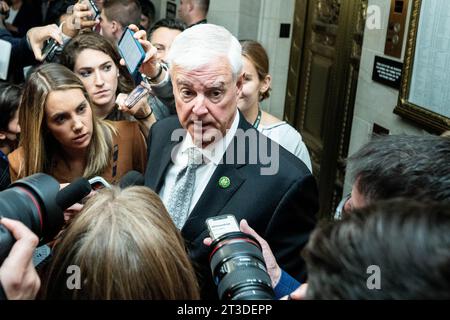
pixel 132 178
pixel 73 193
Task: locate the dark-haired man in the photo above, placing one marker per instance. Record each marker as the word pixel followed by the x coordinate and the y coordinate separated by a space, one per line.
pixel 193 12
pixel 116 15
pixel 399 249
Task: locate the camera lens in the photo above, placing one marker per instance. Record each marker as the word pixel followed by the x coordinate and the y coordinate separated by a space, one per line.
pixel 238 268
pixel 31 201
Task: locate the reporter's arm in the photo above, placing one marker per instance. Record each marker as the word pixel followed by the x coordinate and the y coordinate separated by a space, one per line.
pixel 79 19
pixel 18 276
pixel 36 37
pixel 151 67
pixel 142 112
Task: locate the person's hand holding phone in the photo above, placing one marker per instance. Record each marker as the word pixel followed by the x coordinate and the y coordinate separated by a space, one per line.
pixel 151 65
pixel 38 35
pixel 82 17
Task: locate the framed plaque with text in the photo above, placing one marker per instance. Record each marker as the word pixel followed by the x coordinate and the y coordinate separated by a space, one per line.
pixel 425 89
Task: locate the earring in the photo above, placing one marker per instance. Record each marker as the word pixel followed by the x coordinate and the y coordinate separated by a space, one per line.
pixel 118 74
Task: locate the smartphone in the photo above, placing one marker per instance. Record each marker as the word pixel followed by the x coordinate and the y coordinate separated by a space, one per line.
pixel 131 51
pixel 41 256
pixel 137 94
pixel 49 50
pixel 98 183
pixel 220 225
pixel 94 9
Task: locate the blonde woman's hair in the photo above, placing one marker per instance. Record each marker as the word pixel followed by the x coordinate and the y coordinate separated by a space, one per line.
pixel 126 247
pixel 38 144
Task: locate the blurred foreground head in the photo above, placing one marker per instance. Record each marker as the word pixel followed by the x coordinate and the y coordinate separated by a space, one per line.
pixel 398 249
pixel 126 247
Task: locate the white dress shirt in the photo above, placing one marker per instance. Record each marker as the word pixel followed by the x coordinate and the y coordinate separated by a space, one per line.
pixel 212 156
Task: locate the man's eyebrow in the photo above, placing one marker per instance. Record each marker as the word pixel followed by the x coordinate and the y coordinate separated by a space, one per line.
pixel 216 85
pixel 183 83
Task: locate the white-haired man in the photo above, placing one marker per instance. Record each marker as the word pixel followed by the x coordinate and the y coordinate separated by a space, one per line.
pixel 223 165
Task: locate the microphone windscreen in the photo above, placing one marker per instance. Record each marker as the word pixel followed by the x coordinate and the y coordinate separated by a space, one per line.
pixel 73 193
pixel 132 178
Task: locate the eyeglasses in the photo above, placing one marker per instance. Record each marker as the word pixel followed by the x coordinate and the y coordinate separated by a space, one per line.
pixel 340 209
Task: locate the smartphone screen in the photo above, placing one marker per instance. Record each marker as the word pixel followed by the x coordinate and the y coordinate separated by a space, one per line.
pixel 136 95
pixel 221 225
pixel 131 51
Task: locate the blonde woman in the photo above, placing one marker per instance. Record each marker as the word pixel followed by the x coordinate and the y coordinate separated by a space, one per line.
pixel 126 247
pixel 61 135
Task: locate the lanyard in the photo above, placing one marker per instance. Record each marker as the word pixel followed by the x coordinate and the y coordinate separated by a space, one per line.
pixel 258 119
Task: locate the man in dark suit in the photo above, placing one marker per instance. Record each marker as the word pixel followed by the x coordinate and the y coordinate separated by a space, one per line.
pixel 239 172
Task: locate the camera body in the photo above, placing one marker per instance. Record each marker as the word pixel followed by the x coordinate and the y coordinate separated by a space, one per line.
pixel 50 50
pixel 237 263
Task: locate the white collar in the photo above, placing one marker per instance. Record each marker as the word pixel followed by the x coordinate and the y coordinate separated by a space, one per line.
pixel 213 152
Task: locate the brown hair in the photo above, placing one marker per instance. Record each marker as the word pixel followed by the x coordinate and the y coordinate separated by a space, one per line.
pixel 38 144
pixel 126 247
pixel 256 53
pixel 92 40
pixel 125 12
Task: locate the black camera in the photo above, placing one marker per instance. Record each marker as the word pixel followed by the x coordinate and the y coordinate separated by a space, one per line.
pixel 38 203
pixel 238 268
pixel 51 50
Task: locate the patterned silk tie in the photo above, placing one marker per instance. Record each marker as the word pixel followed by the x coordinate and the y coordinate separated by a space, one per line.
pixel 183 189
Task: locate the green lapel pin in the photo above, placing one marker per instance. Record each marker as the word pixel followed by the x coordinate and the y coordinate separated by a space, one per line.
pixel 224 182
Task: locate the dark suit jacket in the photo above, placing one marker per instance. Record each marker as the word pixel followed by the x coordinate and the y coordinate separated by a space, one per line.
pixel 281 207
pixel 26 18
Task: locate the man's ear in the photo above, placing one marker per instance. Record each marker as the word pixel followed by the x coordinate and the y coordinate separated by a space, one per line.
pixel 190 5
pixel 2 135
pixel 115 27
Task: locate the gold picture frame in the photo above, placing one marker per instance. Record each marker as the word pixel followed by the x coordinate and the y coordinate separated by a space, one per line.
pixel 422 99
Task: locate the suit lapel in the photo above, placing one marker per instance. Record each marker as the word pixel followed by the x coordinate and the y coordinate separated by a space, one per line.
pixel 214 197
pixel 166 160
